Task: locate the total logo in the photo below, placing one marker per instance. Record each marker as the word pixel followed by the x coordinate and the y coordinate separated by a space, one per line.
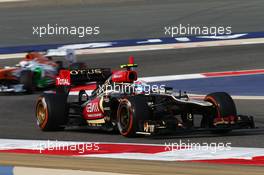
pixel 62 82
pixel 64 78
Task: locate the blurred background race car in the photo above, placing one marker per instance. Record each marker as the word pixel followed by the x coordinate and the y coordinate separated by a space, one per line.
pixel 35 71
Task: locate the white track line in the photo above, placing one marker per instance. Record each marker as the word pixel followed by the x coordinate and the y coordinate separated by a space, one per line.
pixel 9 56
pixel 169 153
pixel 171 46
pixel 235 97
pixel 204 75
pixel 172 77
pixel 155 47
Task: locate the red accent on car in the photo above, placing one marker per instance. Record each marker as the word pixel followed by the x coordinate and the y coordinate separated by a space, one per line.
pixel 91 86
pixel 64 78
pixel 124 76
pixel 234 73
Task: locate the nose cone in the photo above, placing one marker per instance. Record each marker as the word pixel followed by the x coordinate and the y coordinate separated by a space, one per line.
pixel 6 73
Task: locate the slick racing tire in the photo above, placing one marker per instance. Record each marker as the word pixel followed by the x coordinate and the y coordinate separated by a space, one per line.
pixel 26 79
pixel 224 106
pixel 51 111
pixel 130 114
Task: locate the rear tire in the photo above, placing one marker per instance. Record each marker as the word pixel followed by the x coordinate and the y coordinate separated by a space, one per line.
pixel 131 113
pixel 26 79
pixel 224 107
pixel 52 111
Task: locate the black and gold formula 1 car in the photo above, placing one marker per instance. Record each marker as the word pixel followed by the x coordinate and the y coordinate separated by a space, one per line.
pixel 99 98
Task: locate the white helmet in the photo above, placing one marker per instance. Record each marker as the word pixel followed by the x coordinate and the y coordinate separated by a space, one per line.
pixel 24 63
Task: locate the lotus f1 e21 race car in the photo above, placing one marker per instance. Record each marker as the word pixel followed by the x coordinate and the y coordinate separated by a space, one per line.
pixel 34 71
pixel 99 104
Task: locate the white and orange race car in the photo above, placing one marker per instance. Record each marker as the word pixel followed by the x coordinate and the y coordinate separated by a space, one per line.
pixel 32 72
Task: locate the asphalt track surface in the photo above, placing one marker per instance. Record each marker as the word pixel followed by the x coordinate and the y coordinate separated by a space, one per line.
pixel 123 19
pixel 136 19
pixel 17 112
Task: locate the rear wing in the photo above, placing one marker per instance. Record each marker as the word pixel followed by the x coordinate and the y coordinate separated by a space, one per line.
pixel 81 76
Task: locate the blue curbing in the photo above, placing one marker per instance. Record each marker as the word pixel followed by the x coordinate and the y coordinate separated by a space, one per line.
pixel 246 85
pixel 6 170
pixel 134 42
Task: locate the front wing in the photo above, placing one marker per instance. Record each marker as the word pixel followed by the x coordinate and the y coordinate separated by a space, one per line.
pixel 16 88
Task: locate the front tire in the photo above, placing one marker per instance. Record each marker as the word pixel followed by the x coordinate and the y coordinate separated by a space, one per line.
pixel 223 114
pixel 51 111
pixel 131 113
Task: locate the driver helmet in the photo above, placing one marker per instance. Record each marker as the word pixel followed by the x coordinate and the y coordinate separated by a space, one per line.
pixel 24 63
